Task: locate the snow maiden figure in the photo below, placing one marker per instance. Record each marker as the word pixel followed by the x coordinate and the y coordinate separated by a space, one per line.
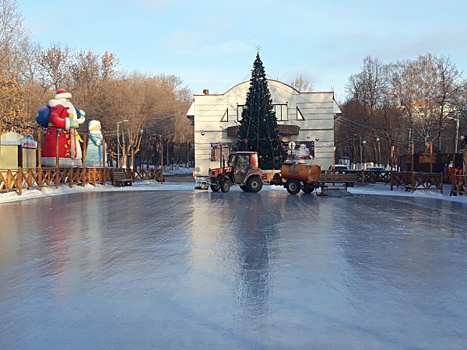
pixel 65 119
pixel 95 149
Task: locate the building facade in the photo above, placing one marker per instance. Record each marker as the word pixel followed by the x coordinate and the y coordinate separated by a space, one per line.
pixel 305 120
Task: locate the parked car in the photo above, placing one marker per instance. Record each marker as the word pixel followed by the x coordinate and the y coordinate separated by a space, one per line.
pixel 375 168
pixel 339 167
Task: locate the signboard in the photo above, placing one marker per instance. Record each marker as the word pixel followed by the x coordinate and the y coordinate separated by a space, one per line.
pixel 28 142
pixel 327 144
pixel 300 150
pixel 427 158
pixel 216 151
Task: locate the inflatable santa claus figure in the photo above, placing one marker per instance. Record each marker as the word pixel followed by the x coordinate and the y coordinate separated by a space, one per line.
pixel 64 119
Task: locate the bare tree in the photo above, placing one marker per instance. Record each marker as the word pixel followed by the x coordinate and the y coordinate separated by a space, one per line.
pixel 54 65
pixel 369 86
pixel 428 89
pixel 85 71
pixel 12 37
pixel 449 89
pixel 109 64
pixel 302 84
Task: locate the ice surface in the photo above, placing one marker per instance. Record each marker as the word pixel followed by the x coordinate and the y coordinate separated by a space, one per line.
pixel 174 267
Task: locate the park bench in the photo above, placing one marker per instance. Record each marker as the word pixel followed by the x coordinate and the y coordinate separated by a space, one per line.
pixel 348 179
pixel 120 179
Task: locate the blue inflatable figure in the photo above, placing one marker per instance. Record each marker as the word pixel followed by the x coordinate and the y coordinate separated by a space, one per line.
pixel 95 150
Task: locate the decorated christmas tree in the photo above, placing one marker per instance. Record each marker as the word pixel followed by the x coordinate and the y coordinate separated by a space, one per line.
pixel 258 129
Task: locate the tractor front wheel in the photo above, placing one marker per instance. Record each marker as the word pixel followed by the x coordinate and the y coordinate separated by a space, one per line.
pixel 254 184
pixel 225 185
pixel 215 187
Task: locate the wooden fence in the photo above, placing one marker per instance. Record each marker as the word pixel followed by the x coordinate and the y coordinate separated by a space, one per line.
pixel 19 179
pixel 413 181
pixel 371 176
pixel 147 174
pixel 459 185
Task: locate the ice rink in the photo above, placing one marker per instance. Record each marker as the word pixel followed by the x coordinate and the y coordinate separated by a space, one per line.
pixel 204 270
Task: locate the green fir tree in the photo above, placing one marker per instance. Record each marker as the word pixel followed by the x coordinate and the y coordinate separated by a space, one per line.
pixel 258 129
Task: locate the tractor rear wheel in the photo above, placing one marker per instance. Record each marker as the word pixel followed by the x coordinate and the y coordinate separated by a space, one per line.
pixel 225 185
pixel 293 186
pixel 308 189
pixel 254 184
pixel 244 188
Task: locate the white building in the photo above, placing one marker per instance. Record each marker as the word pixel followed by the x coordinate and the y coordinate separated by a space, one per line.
pixel 305 119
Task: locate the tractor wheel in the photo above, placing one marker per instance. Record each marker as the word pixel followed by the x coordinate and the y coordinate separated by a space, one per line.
pixel 215 187
pixel 225 185
pixel 293 186
pixel 308 189
pixel 244 188
pixel 254 184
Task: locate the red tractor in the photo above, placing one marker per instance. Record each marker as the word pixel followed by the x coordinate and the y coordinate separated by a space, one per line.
pixel 242 169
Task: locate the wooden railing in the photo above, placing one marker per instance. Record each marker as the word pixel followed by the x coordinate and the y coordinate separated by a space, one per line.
pixel 19 179
pixel 369 176
pixel 147 174
pixel 459 185
pixel 417 181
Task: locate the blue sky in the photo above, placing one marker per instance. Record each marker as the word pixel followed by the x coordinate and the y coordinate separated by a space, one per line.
pixel 212 44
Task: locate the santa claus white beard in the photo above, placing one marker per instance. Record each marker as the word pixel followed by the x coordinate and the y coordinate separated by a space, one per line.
pixel 71 109
pixel 74 143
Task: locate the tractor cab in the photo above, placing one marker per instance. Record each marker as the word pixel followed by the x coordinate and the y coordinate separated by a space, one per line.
pixel 242 162
pixel 242 169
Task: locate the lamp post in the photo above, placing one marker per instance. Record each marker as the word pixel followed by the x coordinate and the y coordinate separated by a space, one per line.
pixel 457 130
pixel 118 141
pixel 379 151
pixel 161 179
pixel 167 139
pixel 141 150
pixel 362 145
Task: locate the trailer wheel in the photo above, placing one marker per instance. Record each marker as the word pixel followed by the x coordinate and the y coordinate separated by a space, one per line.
pixel 225 185
pixel 215 187
pixel 254 184
pixel 308 189
pixel 293 186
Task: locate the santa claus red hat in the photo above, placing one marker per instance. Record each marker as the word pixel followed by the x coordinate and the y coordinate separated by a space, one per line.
pixel 61 94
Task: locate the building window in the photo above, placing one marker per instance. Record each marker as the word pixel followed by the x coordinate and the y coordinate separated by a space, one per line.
pixel 225 117
pixel 239 112
pixel 281 112
pixel 299 114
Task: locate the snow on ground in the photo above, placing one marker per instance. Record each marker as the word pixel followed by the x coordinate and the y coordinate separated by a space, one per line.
pixel 151 185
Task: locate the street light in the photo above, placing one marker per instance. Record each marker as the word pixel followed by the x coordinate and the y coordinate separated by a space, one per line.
pixel 379 150
pixel 457 129
pixel 363 143
pixel 118 141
